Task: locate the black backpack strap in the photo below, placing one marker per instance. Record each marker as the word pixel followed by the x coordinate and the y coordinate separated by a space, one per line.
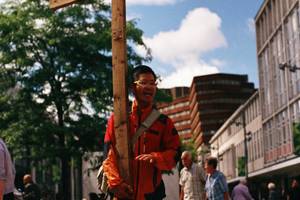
pixel 145 125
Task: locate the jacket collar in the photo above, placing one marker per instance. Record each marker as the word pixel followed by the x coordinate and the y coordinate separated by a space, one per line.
pixel 140 113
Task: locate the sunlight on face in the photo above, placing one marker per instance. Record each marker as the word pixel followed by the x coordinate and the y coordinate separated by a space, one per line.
pixel 145 89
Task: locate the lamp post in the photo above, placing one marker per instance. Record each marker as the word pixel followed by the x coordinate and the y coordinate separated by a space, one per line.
pixel 245 144
pixel 216 148
pixel 247 138
pixel 291 67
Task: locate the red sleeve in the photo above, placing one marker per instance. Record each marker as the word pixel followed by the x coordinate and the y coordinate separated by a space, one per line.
pixel 109 134
pixel 110 165
pixel 165 160
pixel 111 171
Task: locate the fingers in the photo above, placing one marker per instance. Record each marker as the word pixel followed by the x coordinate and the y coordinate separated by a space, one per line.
pixel 146 157
pixel 143 157
pixel 126 191
pixel 127 188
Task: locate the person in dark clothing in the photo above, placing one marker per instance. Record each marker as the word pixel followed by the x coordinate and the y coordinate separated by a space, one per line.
pixel 294 193
pixel 31 190
pixel 273 194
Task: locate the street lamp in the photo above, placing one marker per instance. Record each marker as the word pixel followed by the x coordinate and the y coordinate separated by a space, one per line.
pixel 289 66
pixel 247 137
pixel 215 148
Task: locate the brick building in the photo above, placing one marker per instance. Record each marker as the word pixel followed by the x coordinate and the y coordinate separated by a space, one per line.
pixel 179 111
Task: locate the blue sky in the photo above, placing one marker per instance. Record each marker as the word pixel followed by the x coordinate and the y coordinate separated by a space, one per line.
pixel 197 37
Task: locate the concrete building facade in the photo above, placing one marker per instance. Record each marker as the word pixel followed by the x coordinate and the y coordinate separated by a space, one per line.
pixel 239 142
pixel 271 152
pixel 278 51
pixel 213 98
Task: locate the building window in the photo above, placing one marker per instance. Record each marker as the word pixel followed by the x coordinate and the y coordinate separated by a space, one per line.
pixel 178 92
pixel 292 35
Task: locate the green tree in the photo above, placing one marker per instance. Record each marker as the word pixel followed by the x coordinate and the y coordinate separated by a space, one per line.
pixel 58 67
pixel 296 138
pixel 189 146
pixel 241 166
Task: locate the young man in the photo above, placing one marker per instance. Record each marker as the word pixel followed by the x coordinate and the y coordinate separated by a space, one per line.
pixel 192 179
pixel 216 185
pixel 154 151
pixel 7 173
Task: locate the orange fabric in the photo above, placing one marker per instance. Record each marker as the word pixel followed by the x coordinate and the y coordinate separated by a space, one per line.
pixel 111 171
pixel 160 140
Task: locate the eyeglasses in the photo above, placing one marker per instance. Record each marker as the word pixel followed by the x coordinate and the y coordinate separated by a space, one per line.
pixel 144 83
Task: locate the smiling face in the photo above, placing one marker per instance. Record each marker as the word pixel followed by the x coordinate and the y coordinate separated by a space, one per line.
pixel 144 89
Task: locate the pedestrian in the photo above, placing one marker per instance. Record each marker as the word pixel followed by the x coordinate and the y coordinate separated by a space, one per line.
pixel 273 194
pixel 241 191
pixel 294 193
pixel 7 173
pixel 154 151
pixel 192 179
pixel 31 190
pixel 216 186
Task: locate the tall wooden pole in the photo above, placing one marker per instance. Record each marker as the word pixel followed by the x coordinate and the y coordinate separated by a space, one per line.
pixel 120 89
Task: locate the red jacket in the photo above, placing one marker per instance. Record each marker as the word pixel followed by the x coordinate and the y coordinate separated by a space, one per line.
pixel 161 140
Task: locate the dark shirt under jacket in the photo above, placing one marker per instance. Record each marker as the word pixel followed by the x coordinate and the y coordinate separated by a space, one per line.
pixel 31 192
pixel 273 195
pixel 294 194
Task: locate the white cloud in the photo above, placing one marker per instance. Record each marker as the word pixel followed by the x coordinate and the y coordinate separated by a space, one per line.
pixel 131 16
pixel 217 62
pixel 183 76
pixel 183 48
pixel 147 2
pixel 251 25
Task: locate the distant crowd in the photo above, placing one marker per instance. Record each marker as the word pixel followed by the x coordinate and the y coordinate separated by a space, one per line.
pixel 195 184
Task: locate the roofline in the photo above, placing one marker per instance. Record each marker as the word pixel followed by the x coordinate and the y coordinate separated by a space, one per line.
pixel 234 115
pixel 214 74
pixel 259 12
pixel 175 101
pixel 292 161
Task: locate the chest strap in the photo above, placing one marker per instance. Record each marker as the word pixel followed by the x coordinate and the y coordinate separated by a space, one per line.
pixel 145 125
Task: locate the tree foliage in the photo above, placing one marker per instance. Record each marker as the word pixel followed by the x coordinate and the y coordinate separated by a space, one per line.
pixel 56 77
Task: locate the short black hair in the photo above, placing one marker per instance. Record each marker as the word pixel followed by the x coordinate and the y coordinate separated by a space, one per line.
pixel 141 69
pixel 212 161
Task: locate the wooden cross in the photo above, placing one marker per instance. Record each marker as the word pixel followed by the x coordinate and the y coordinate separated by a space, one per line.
pixel 56 4
pixel 120 89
